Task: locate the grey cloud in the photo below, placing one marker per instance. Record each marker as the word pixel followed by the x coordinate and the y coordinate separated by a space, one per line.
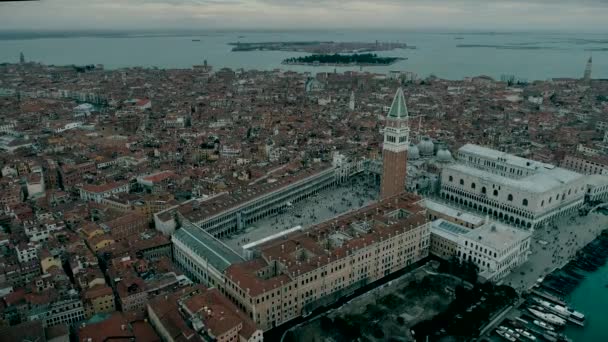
pixel 484 14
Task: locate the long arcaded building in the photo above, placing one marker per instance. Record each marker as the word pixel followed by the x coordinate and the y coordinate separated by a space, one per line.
pixel 292 274
pixel 519 191
pixel 227 213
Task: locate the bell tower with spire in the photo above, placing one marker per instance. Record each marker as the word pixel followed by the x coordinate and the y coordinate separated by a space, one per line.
pixel 351 101
pixel 587 74
pixel 394 148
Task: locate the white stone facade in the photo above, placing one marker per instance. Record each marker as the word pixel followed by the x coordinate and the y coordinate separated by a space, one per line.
pixel 495 248
pixel 26 252
pixel 519 191
pixel 98 193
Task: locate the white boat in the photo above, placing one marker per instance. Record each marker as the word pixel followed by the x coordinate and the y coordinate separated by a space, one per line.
pixel 562 310
pixel 543 325
pixel 548 317
pixel 526 334
pixel 506 335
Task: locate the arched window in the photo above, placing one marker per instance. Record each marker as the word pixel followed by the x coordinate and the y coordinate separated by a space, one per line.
pixel 451 179
pixel 542 203
pixel 550 199
pixel 461 181
pixel 472 185
pixel 495 192
pixel 524 202
pixel 510 197
pixel 483 190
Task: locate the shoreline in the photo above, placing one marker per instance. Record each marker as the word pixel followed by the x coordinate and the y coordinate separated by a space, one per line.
pixel 588 260
pixel 564 240
pixel 344 64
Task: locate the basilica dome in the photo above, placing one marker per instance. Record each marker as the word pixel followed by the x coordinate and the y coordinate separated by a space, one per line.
pixel 426 147
pixel 412 152
pixel 444 156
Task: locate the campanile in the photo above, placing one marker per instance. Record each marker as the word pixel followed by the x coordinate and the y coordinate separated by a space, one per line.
pixel 394 148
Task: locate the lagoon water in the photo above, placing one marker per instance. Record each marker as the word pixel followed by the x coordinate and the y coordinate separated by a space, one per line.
pixel 591 298
pixel 531 56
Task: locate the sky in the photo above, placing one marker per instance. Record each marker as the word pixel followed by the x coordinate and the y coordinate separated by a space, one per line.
pixel 507 15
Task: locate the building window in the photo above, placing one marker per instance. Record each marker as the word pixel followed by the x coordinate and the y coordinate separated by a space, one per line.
pixel 472 185
pixel 495 192
pixel 542 203
pixel 483 190
pixel 461 181
pixel 524 202
pixel 451 179
pixel 510 197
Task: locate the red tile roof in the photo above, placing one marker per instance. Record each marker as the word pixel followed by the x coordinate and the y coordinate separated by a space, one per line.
pixel 285 249
pixel 102 187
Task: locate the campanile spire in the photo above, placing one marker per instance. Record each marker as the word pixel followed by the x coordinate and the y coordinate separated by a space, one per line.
pixel 394 148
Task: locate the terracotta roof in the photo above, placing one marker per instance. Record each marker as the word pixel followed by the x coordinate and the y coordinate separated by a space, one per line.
pixel 143 102
pixel 115 326
pixel 217 313
pixel 143 331
pixel 103 187
pixel 219 318
pixel 285 250
pixel 213 206
pixel 97 291
pixel 159 177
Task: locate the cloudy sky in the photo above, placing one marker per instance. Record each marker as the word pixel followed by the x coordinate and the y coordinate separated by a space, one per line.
pixel 567 15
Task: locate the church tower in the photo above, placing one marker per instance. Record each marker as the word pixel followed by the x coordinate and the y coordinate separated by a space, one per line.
pixel 587 75
pixel 394 150
pixel 351 102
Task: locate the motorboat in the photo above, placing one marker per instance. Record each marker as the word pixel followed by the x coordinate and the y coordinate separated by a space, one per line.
pixel 544 325
pixel 548 317
pixel 504 334
pixel 562 311
pixel 526 334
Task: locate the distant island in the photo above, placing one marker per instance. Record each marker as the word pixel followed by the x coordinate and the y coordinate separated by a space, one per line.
pixel 506 47
pixel 320 47
pixel 365 59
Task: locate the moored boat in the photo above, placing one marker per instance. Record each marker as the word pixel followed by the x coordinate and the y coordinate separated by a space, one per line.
pixel 543 325
pixel 526 334
pixel 548 317
pixel 504 334
pixel 562 311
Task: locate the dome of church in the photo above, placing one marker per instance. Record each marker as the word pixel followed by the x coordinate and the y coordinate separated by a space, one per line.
pixel 426 147
pixel 444 156
pixel 412 152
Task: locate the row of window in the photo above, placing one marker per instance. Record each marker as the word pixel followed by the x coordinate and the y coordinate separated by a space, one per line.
pixel 524 201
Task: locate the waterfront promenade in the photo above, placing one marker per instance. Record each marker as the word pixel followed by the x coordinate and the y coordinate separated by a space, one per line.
pixel 554 245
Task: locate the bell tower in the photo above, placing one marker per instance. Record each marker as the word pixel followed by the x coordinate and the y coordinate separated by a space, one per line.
pixel 394 148
pixel 587 74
